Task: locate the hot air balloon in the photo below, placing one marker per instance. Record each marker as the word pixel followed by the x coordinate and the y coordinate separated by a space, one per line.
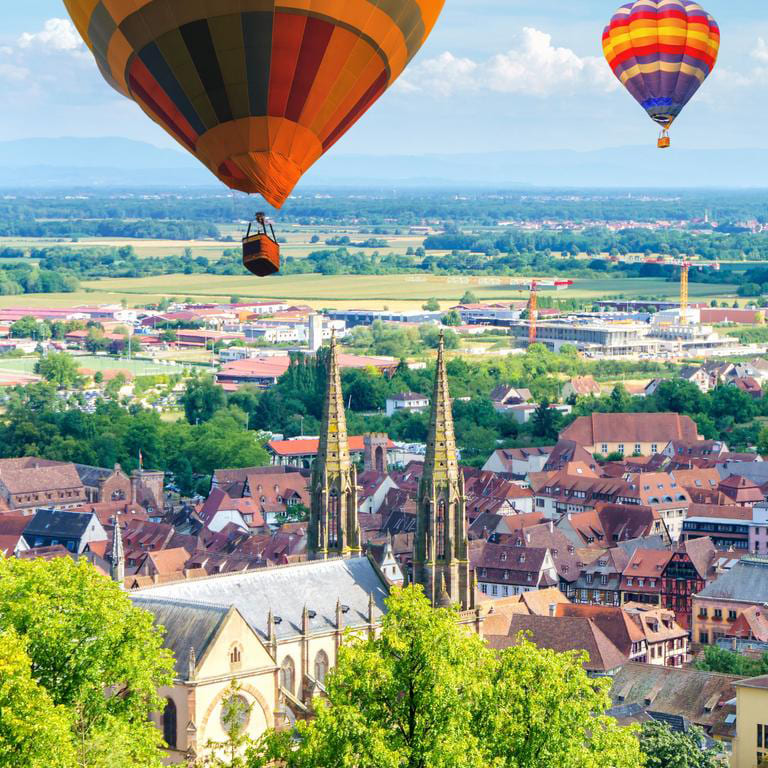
pixel 257 90
pixel 662 51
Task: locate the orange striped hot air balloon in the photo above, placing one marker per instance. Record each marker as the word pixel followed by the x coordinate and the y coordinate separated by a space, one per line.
pixel 662 51
pixel 257 90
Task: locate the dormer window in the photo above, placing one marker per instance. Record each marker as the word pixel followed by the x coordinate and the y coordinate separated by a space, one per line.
pixel 503 557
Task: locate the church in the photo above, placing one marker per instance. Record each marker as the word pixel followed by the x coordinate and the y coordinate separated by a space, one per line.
pixel 277 631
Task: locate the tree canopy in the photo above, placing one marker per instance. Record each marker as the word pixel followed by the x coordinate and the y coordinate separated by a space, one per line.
pixel 665 748
pixel 97 658
pixel 427 693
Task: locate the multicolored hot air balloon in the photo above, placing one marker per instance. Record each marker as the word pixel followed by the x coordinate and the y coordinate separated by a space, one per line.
pixel 257 90
pixel 662 51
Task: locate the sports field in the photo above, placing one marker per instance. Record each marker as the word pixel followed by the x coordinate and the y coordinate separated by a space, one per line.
pixel 136 367
pixel 376 291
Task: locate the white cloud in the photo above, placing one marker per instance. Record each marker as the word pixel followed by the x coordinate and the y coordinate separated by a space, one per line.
pixel 760 53
pixel 534 67
pixel 56 35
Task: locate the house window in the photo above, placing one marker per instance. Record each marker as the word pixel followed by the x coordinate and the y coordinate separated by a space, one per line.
pixel 621 448
pixel 637 447
pixel 718 614
pixel 235 655
pixel 484 589
pixel 494 590
pixel 170 729
pixel 603 579
pixel 654 448
pixel 704 638
pixel 640 582
pixel 731 615
pixel 604 448
pixel 629 581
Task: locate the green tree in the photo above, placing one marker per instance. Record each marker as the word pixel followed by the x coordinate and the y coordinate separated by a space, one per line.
pixel 452 318
pixel 232 752
pixel 665 748
pixel 28 327
pixel 431 305
pixel 95 654
pixel 716 659
pixel 425 693
pixel 203 397
pixel 59 368
pixel 545 422
pixel 34 733
pixel 468 298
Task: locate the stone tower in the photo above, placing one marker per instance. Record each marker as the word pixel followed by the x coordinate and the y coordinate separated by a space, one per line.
pixel 375 453
pixel 441 557
pixel 334 530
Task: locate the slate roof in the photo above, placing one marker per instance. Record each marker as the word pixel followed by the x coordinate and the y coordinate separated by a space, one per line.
pixel 59 523
pixel 746 582
pixel 90 476
pixel 187 625
pixel 286 590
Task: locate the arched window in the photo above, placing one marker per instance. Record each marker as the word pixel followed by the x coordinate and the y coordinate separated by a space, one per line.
pixel 321 667
pixel 334 508
pixel 379 461
pixel 288 674
pixel 235 655
pixel 169 723
pixel 440 530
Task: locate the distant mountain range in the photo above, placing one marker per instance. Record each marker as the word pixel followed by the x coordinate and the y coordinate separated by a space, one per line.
pixel 111 162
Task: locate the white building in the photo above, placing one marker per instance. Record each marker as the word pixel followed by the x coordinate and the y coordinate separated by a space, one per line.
pixel 407 401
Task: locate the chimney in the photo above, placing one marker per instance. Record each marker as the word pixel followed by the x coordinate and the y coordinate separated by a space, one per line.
pixel 553 610
pixel 551 526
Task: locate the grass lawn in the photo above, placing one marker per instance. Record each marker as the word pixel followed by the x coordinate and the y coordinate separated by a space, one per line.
pixel 137 367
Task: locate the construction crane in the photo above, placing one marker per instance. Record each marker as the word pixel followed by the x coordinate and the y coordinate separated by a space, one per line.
pixel 533 302
pixel 685 267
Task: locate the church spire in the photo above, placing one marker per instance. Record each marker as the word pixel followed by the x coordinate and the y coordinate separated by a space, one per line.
pixel 334 530
pixel 441 463
pixel 333 451
pixel 441 559
pixel 117 555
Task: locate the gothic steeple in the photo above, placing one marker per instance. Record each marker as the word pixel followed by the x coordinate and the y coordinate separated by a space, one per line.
pixel 334 530
pixel 117 555
pixel 441 560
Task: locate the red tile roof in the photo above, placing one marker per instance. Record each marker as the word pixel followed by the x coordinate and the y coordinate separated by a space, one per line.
pixel 630 428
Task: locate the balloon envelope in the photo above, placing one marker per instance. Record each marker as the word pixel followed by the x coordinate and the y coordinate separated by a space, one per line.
pixel 662 51
pixel 257 90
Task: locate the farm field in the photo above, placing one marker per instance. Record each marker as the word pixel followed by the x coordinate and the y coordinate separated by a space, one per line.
pixel 297 243
pixel 375 291
pixel 96 363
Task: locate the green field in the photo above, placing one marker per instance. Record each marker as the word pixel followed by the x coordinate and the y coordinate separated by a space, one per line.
pixel 297 243
pixel 393 291
pixel 136 367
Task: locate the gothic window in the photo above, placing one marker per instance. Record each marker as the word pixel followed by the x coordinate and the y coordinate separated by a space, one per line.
pixel 380 459
pixel 287 674
pixel 334 508
pixel 235 655
pixel 169 723
pixel 440 530
pixel 235 713
pixel 321 667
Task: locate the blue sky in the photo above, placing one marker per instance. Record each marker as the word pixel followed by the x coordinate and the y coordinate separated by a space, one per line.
pixel 496 75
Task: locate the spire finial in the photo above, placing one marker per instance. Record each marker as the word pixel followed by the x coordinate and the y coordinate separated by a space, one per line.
pixel 191 663
pixel 444 599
